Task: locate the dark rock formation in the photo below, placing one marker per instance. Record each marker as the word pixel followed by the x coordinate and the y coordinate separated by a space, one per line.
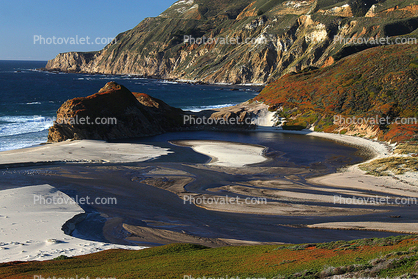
pixel 113 113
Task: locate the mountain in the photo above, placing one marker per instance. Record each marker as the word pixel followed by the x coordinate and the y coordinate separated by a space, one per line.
pixel 282 37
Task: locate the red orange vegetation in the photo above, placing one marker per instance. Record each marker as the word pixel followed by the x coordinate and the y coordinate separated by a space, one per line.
pixel 380 81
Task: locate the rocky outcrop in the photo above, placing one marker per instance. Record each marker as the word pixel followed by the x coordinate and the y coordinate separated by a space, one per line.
pixel 241 41
pixel 244 116
pixel 116 113
pixel 113 113
pixel 70 61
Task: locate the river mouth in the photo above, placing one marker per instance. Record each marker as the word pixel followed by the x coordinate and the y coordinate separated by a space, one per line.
pixel 178 197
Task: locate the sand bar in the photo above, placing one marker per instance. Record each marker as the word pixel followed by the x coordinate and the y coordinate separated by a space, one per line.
pixel 227 154
pixel 83 151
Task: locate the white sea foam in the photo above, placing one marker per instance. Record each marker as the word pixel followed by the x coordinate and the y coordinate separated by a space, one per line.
pixel 168 82
pixel 200 108
pixel 17 125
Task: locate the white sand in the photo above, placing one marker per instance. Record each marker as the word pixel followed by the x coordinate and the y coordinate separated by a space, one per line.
pixel 355 178
pixel 84 151
pixel 227 154
pixel 32 231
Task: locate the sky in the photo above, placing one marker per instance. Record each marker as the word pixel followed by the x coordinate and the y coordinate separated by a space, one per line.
pixel 28 27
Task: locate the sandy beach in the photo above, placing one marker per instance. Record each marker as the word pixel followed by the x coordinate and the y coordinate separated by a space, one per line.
pixel 161 203
pixel 82 151
pixel 30 226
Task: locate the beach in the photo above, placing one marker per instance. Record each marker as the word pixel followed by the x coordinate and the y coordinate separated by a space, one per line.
pixel 161 202
pixel 31 231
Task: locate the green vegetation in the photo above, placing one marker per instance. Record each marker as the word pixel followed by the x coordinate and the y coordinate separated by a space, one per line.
pixel 393 256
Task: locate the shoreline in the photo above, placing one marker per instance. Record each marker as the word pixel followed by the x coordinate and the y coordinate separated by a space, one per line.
pixel 377 148
pixel 181 81
pixel 352 178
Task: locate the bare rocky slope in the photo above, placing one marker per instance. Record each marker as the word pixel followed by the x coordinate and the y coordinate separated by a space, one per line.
pixel 284 36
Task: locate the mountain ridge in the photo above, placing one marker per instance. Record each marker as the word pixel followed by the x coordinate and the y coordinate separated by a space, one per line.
pixel 286 36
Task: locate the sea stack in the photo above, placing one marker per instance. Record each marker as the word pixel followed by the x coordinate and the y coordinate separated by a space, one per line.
pixel 113 113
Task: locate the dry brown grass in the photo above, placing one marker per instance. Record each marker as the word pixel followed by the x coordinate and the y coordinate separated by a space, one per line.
pixel 407 148
pixel 390 165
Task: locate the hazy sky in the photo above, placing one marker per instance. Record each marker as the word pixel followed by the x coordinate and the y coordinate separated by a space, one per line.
pixel 27 27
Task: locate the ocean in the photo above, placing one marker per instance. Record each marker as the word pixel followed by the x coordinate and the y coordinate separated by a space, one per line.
pixel 30 98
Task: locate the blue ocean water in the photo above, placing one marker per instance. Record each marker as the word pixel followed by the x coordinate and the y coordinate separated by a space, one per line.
pixel 30 98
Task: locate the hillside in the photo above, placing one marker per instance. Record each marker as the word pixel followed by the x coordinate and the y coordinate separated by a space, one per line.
pixel 378 82
pixel 284 36
pixel 377 258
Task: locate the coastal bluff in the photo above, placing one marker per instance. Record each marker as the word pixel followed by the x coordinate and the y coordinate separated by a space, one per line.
pixel 113 113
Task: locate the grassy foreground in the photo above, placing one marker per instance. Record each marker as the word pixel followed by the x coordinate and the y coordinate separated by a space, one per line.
pixel 393 256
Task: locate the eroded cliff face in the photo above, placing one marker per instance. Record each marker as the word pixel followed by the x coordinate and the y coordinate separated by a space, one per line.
pixel 244 41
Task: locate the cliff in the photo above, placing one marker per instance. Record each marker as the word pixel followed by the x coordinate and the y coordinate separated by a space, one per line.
pixel 350 96
pixel 246 41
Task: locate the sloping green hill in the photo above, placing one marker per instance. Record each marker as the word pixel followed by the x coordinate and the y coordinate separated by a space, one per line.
pixel 378 82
